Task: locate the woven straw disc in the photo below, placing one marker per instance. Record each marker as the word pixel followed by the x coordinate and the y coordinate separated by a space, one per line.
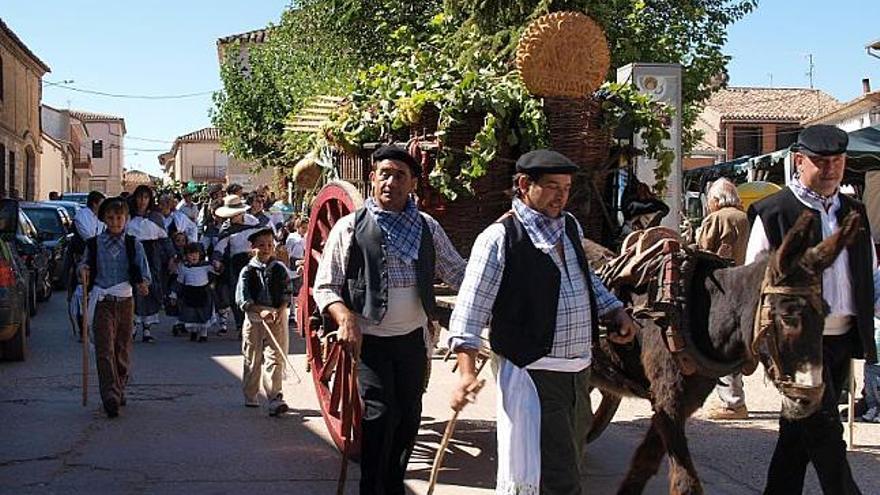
pixel 563 54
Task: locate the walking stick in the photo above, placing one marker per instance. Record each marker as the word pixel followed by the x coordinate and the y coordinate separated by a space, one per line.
pixel 353 395
pixel 450 428
pixel 85 340
pixel 281 351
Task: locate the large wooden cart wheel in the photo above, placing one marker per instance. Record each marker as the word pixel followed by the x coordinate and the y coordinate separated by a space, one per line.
pixel 332 368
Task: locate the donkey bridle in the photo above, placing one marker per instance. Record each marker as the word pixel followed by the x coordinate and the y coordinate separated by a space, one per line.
pixel 765 333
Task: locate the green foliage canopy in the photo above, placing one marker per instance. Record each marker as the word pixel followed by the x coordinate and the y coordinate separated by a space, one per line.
pixel 392 57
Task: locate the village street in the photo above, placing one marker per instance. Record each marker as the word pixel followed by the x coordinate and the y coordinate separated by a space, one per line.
pixel 185 430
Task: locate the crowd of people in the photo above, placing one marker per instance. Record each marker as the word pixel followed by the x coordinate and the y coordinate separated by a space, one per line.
pixel 226 262
pixel 219 263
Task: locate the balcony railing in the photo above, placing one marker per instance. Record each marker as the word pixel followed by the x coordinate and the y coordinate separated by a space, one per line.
pixel 82 162
pixel 208 173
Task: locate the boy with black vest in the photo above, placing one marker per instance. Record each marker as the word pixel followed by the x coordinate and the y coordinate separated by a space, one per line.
pixel 848 287
pixel 375 280
pixel 115 265
pixel 263 295
pixel 528 280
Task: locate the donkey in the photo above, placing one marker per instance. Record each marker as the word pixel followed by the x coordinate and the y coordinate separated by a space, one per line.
pixel 782 290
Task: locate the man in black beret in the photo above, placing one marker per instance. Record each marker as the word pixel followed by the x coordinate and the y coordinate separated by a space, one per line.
pixel 528 277
pixel 375 280
pixel 848 289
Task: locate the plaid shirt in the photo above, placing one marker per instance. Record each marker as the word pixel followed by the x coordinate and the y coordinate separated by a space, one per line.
pixel 473 307
pixel 449 265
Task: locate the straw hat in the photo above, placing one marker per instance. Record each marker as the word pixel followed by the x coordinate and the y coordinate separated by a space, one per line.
pixel 232 206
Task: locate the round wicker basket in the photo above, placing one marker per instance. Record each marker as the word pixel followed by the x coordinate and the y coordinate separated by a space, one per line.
pixel 563 54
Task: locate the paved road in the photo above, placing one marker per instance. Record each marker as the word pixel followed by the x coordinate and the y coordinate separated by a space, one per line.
pixel 185 430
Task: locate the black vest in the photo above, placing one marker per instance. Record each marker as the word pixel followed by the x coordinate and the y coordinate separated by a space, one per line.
pixel 779 213
pixel 273 278
pixel 134 271
pixel 365 290
pixel 524 313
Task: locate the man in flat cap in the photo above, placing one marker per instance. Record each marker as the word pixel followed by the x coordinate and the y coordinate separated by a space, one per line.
pixel 848 287
pixel 375 280
pixel 528 280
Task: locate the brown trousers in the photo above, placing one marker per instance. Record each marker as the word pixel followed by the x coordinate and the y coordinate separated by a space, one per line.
pixel 112 330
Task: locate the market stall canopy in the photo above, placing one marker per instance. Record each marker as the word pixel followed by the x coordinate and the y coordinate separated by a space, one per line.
pixel 863 152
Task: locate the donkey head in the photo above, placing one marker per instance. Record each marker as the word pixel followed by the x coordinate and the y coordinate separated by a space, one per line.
pixel 791 313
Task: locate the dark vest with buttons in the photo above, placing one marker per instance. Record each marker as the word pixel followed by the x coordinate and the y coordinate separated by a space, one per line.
pixel 779 213
pixel 134 271
pixel 365 290
pixel 524 313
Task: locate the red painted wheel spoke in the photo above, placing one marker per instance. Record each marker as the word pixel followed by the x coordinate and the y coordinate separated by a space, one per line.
pixel 330 363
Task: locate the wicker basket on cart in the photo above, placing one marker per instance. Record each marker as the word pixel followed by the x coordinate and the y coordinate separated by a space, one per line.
pixel 465 217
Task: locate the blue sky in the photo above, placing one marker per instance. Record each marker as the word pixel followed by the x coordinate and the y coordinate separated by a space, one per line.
pixel 168 48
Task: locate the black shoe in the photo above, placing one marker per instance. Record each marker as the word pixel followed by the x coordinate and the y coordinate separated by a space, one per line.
pixel 193 336
pixel 112 408
pixel 222 332
pixel 203 339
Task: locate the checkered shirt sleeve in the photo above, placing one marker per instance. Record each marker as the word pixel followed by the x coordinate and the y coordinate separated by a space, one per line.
pixel 482 278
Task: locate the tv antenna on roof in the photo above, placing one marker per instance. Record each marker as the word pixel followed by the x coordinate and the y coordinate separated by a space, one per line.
pixel 811 69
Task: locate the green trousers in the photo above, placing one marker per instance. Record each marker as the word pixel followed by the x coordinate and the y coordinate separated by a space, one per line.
pixel 566 417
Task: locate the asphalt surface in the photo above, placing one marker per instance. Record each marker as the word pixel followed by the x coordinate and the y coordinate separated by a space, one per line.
pixel 185 430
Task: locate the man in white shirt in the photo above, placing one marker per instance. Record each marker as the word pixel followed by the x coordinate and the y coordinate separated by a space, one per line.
pixel 375 280
pixel 848 289
pixel 86 220
pixel 186 205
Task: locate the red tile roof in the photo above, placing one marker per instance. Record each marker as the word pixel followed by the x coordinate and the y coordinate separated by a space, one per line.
pixel 93 117
pixel 863 103
pixel 255 36
pixel 206 134
pixel 773 104
pixel 15 39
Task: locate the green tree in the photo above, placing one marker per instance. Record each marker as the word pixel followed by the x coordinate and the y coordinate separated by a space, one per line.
pixel 317 48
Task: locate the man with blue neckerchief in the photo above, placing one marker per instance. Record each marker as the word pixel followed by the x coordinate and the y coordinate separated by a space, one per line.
pixel 375 280
pixel 528 280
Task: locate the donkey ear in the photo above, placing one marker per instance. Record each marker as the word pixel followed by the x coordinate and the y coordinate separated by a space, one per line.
pixel 795 243
pixel 824 254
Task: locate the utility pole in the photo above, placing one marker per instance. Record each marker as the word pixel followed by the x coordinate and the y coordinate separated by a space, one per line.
pixel 770 75
pixel 811 69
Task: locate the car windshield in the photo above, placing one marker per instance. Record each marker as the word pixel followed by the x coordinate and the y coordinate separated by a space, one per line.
pixel 45 220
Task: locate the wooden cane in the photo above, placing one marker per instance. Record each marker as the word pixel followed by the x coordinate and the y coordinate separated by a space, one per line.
pixel 474 389
pixel 85 339
pixel 280 350
pixel 352 391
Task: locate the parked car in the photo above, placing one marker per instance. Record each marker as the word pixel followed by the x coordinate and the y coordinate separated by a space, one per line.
pixel 77 197
pixel 70 206
pixel 36 258
pixel 54 231
pixel 14 287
